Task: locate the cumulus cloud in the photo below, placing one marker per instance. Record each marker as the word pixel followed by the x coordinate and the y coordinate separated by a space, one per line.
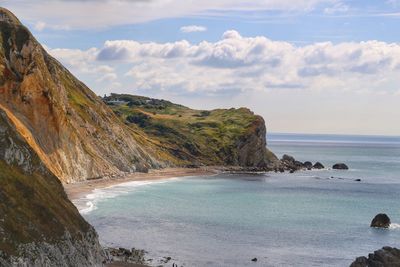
pixel 193 28
pixel 77 13
pixel 237 64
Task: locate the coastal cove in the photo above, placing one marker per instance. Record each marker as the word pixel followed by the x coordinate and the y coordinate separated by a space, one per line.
pixel 169 160
pixel 301 219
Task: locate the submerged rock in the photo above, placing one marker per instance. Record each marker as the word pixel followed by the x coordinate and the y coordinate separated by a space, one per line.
pixel 381 221
pixel 385 257
pixel 340 166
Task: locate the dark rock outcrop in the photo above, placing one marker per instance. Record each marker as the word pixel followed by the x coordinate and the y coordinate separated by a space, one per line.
pixel 252 147
pixel 308 165
pixel 381 221
pixel 123 255
pixel 290 163
pixel 288 159
pixel 385 257
pixel 318 166
pixel 340 166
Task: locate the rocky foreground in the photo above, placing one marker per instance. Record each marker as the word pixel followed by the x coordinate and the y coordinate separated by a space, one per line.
pixel 385 257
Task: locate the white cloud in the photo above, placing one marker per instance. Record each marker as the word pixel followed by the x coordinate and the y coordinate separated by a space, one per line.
pixel 110 77
pixel 39 26
pixel 236 64
pixel 78 14
pixel 193 28
pixel 84 63
pixel 318 84
pixel 336 8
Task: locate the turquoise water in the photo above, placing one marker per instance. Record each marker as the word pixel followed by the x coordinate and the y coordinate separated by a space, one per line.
pixel 305 219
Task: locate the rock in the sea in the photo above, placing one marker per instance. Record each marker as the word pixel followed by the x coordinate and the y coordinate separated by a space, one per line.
pixel 291 164
pixel 318 166
pixel 381 220
pixel 385 257
pixel 288 159
pixel 340 166
pixel 308 165
pixel 123 255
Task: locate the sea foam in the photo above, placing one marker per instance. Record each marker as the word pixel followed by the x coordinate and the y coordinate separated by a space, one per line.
pixel 394 226
pixel 88 203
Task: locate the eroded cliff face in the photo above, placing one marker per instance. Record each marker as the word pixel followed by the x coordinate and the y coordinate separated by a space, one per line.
pixel 252 147
pixel 39 226
pixel 69 127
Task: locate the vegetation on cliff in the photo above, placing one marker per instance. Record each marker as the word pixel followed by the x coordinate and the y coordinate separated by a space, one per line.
pixel 74 133
pixel 78 137
pixel 185 136
pixel 39 226
pixel 54 129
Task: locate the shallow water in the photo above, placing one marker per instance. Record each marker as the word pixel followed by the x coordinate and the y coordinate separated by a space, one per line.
pixel 306 219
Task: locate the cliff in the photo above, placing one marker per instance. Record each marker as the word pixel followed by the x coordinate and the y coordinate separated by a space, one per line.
pixel 78 137
pixel 54 130
pixel 73 132
pixel 183 136
pixel 39 226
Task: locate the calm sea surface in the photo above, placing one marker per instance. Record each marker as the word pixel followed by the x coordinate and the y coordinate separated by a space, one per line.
pixel 302 219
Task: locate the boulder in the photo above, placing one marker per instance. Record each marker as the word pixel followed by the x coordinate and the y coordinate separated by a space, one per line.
pixel 308 165
pixel 318 166
pixel 288 159
pixel 340 166
pixel 381 221
pixel 385 257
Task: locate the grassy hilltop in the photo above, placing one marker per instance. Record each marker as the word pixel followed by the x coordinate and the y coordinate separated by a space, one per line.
pixel 186 136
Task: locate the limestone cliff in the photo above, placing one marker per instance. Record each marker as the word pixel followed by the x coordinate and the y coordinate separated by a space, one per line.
pixel 73 132
pixel 184 136
pixel 39 226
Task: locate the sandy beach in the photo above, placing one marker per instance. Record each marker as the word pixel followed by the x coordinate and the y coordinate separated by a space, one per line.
pixel 81 189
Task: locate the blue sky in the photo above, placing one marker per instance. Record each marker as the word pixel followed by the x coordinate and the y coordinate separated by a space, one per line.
pixel 317 66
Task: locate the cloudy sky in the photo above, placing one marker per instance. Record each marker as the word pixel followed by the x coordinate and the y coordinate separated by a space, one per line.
pixel 308 66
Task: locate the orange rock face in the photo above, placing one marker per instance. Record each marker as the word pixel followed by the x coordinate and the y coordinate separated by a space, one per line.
pixel 73 132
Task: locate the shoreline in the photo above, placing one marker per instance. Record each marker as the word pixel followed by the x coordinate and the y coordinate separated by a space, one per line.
pixel 76 191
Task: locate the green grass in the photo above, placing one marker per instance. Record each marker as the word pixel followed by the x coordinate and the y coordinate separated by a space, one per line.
pixel 33 208
pixel 190 136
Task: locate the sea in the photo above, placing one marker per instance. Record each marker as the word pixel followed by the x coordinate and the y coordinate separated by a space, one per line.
pixel 309 218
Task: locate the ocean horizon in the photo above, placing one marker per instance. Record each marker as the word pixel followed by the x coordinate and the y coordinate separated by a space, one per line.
pixel 309 218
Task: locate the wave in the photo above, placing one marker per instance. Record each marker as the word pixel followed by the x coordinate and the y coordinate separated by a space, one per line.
pixel 89 203
pixel 394 226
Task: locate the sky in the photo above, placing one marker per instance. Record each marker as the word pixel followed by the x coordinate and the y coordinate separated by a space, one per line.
pixel 316 66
